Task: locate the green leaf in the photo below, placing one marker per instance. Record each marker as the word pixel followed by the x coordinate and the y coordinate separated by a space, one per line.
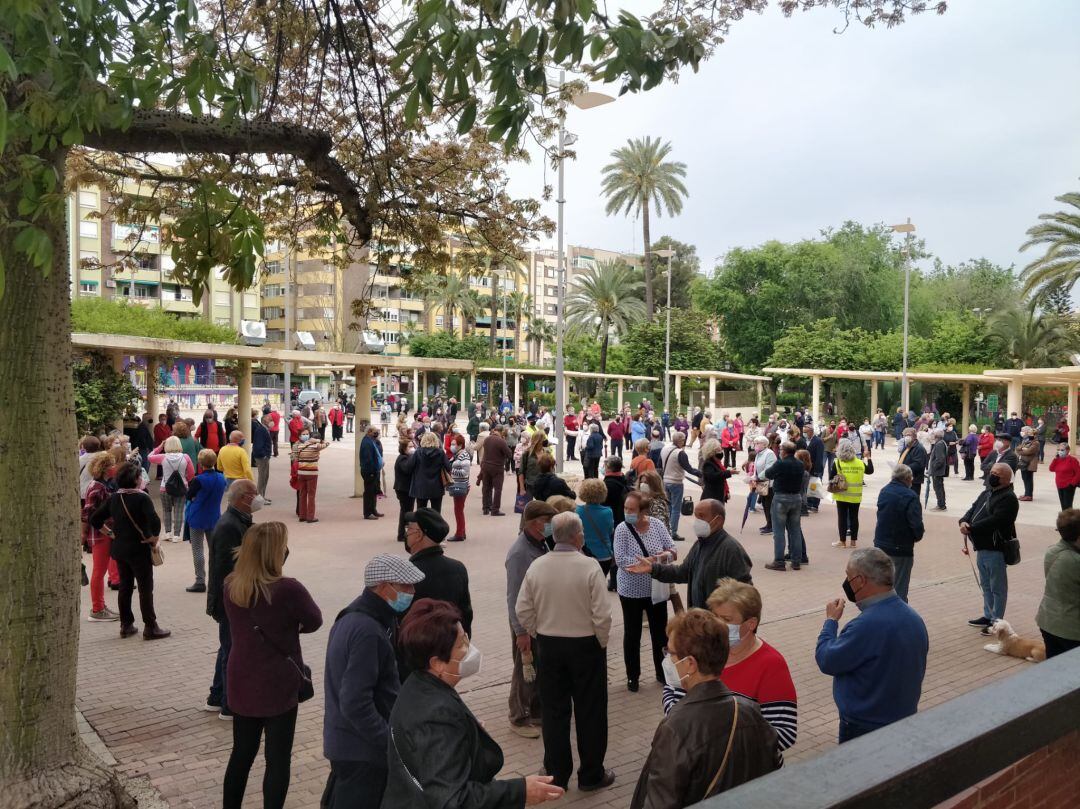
pixel 7 65
pixel 2 276
pixel 3 122
pixel 596 48
pixel 585 9
pixel 72 135
pixel 468 117
pixel 412 105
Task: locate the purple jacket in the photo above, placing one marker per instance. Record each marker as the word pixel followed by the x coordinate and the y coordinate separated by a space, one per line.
pixel 260 682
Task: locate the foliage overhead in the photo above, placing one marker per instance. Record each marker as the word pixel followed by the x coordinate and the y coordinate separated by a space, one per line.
pixel 102 316
pixel 102 395
pixel 448 345
pixel 605 298
pixel 1059 234
pixel 1033 339
pixel 691 346
pixel 685 267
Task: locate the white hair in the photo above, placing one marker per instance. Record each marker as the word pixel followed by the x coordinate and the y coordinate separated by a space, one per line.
pixel 566 527
pixel 873 563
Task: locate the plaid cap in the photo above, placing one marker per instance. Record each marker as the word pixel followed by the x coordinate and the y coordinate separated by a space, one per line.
pixel 395 569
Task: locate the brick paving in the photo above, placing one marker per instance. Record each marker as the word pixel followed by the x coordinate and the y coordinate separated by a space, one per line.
pixel 143 699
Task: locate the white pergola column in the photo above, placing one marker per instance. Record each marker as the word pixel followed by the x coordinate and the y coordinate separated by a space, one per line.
pixel 1072 415
pixel 311 381
pixel 965 413
pixel 415 390
pixel 760 398
pixel 362 374
pixel 712 396
pixel 619 398
pixel 152 403
pixel 517 391
pixel 464 397
pixel 472 386
pixel 873 398
pixel 1014 402
pixel 815 398
pixel 678 394
pixel 243 404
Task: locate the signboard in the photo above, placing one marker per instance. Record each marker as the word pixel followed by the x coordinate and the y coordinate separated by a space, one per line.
pixel 992 401
pixel 482 387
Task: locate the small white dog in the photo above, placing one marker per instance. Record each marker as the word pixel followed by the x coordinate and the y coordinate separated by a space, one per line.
pixel 1011 644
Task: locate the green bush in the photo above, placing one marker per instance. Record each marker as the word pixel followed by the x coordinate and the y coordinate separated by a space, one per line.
pixel 102 316
pixel 102 395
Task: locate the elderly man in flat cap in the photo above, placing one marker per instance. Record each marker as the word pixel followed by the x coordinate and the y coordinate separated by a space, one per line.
pixel 362 683
pixel 445 579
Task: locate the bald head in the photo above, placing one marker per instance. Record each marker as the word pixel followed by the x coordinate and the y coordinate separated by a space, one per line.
pixel 240 494
pixel 1004 474
pixel 235 437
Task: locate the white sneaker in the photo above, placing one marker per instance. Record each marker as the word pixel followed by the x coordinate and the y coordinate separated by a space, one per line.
pixel 168 536
pixel 211 708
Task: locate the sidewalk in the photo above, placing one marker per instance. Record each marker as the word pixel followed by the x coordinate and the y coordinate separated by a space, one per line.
pixel 143 698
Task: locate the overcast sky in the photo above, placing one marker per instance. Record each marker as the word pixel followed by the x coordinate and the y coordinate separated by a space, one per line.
pixel 967 123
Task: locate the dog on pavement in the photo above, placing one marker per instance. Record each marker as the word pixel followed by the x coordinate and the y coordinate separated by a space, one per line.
pixel 1011 644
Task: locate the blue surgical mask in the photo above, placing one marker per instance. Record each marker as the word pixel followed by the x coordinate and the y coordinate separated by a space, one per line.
pixel 631 519
pixel 242 442
pixel 402 602
pixel 304 437
pixel 734 634
pixel 548 530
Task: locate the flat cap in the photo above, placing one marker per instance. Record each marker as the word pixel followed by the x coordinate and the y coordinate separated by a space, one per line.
pixel 394 569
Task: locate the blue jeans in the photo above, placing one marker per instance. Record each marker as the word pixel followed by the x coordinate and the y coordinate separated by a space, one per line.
pixel 879 439
pixel 786 514
pixel 995 583
pixel 902 574
pixel 751 500
pixel 850 729
pixel 217 688
pixel 675 495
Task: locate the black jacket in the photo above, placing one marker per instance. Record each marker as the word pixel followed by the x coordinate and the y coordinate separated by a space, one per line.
pixel 710 559
pixel 786 475
pixel 713 474
pixel 426 466
pixel 402 476
pixel 224 539
pixel 816 448
pixel 899 520
pixel 436 740
pixel 915 457
pixel 617 489
pixel 128 543
pixel 939 460
pixel 992 518
pixel 445 579
pixel 548 484
pixel 1008 457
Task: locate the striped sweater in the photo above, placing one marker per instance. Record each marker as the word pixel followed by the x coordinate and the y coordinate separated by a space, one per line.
pixel 306 457
pixel 764 676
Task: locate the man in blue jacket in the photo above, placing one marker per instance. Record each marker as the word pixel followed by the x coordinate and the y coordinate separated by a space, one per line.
pixel 899 526
pixel 877 663
pixel 262 447
pixel 371 463
pixel 816 447
pixel 361 683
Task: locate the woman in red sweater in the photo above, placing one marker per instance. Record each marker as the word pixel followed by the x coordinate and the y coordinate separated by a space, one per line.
pixel 1066 469
pixel 986 442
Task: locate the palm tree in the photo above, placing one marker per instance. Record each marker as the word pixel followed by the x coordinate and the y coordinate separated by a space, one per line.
pixel 605 298
pixel 472 307
pixel 1033 340
pixel 540 332
pixel 639 179
pixel 519 302
pixel 1060 233
pixel 452 292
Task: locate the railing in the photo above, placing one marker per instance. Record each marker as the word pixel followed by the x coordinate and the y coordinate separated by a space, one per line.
pixel 932 756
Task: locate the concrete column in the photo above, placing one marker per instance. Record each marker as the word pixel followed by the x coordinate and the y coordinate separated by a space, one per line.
pixel 118 366
pixel 815 398
pixel 152 403
pixel 712 396
pixel 678 396
pixel 619 399
pixel 415 389
pixel 243 405
pixel 311 380
pixel 472 386
pixel 760 398
pixel 965 410
pixel 1014 402
pixel 517 390
pixel 362 374
pixel 873 398
pixel 1072 415
pixel 464 397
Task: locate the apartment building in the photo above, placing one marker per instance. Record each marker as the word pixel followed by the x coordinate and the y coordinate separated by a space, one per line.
pixel 125 260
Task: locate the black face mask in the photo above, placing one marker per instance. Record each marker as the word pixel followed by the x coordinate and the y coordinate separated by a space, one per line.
pixel 994 481
pixel 849 591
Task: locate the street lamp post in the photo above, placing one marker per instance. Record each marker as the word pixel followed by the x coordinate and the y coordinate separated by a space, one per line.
pixel 584 101
pixel 908 229
pixel 667 332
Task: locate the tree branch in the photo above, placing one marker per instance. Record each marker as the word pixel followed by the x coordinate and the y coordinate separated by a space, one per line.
pixel 164 131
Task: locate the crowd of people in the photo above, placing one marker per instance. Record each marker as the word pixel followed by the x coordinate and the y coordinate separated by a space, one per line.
pixel 395 731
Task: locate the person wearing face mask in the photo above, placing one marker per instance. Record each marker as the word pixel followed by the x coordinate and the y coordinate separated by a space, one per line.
pixel 714 739
pixel 445 579
pixel 753 669
pixel 563 606
pixel 1058 618
pixel 305 455
pixel 1027 454
pixel 716 555
pixel 439 753
pixel 233 460
pixel 1001 453
pixel 641 535
pixel 899 526
pixel 988 525
pixel 1066 469
pixel 362 683
pixel 267 612
pixel 879 659
pixel 530 545
pixel 915 457
pixel 211 433
pixel 202 512
pixel 402 484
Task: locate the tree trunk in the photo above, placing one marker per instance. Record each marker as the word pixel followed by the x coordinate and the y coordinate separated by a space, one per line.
pixel 43 763
pixel 649 305
pixel 494 314
pixel 517 335
pixel 603 348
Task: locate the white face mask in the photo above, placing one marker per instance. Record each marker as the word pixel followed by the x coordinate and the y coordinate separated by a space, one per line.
pixel 257 503
pixel 734 635
pixel 671 673
pixel 470 664
pixel 701 528
pixel 645 488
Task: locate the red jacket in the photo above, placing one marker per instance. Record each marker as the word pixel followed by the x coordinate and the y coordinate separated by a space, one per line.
pixel 1066 471
pixel 296 426
pixel 729 438
pixel 275 420
pixel 161 432
pixel 337 416
pixel 986 444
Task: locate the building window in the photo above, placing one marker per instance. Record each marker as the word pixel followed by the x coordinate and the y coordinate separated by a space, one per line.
pixel 272 312
pixel 88 199
pixel 316 289
pixel 391 337
pixel 89 256
pixel 438 321
pixel 275 335
pixel 222 299
pixel 88 228
pixel 389 315
pixel 251 301
pixel 88 288
pixel 272 266
pixel 144 262
pixel 273 290
pixel 182 294
pixel 144 292
pixel 551 292
pixel 147 233
pixel 551 309
pixel 549 272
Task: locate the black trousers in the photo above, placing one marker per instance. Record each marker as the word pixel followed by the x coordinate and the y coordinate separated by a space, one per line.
pixel 729 457
pixel 1029 482
pixel 591 467
pixel 939 489
pixel 1056 645
pixel 632 611
pixel 847 516
pixel 570 441
pixel 371 491
pixel 430 502
pixel 969 469
pixel 491 483
pixel 405 505
pixel 573 680
pixel 354 785
pixel 136 568
pixel 1065 497
pixel 766 504
pixel 247 734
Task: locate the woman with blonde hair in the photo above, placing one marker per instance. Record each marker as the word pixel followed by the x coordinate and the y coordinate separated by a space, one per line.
pixel 266 673
pixel 641 462
pixel 202 512
pixel 174 461
pixel 714 473
pixel 652 487
pixel 426 467
pixel 597 521
pixel 529 468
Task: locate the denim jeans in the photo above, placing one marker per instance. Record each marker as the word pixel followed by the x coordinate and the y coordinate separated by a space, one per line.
pixel 902 574
pixel 675 495
pixel 217 688
pixel 850 729
pixel 786 514
pixel 995 583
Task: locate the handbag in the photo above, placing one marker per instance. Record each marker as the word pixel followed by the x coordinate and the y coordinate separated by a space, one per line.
pixel 838 483
pixel 521 501
pixel 458 489
pixel 1010 549
pixel 727 751
pixel 687 507
pixel 814 488
pixel 307 688
pixel 763 488
pixel 157 555
pixel 661 591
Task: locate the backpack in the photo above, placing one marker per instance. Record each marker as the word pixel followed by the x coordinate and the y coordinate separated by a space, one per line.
pixel 175 485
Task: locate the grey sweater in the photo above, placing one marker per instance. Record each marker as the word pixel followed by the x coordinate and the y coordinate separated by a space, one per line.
pixel 522 553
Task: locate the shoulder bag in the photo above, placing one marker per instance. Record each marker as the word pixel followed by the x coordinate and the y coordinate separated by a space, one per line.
pixel 727 751
pixel 157 555
pixel 838 483
pixel 1010 549
pixel 661 591
pixel 307 688
pixel 598 532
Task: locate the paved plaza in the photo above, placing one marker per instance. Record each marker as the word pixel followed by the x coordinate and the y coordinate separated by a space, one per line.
pixel 143 699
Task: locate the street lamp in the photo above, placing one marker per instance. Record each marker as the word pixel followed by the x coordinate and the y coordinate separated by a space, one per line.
pixel 585 101
pixel 908 229
pixel 667 333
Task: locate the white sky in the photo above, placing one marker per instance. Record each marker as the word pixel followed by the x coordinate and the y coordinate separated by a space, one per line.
pixel 967 123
